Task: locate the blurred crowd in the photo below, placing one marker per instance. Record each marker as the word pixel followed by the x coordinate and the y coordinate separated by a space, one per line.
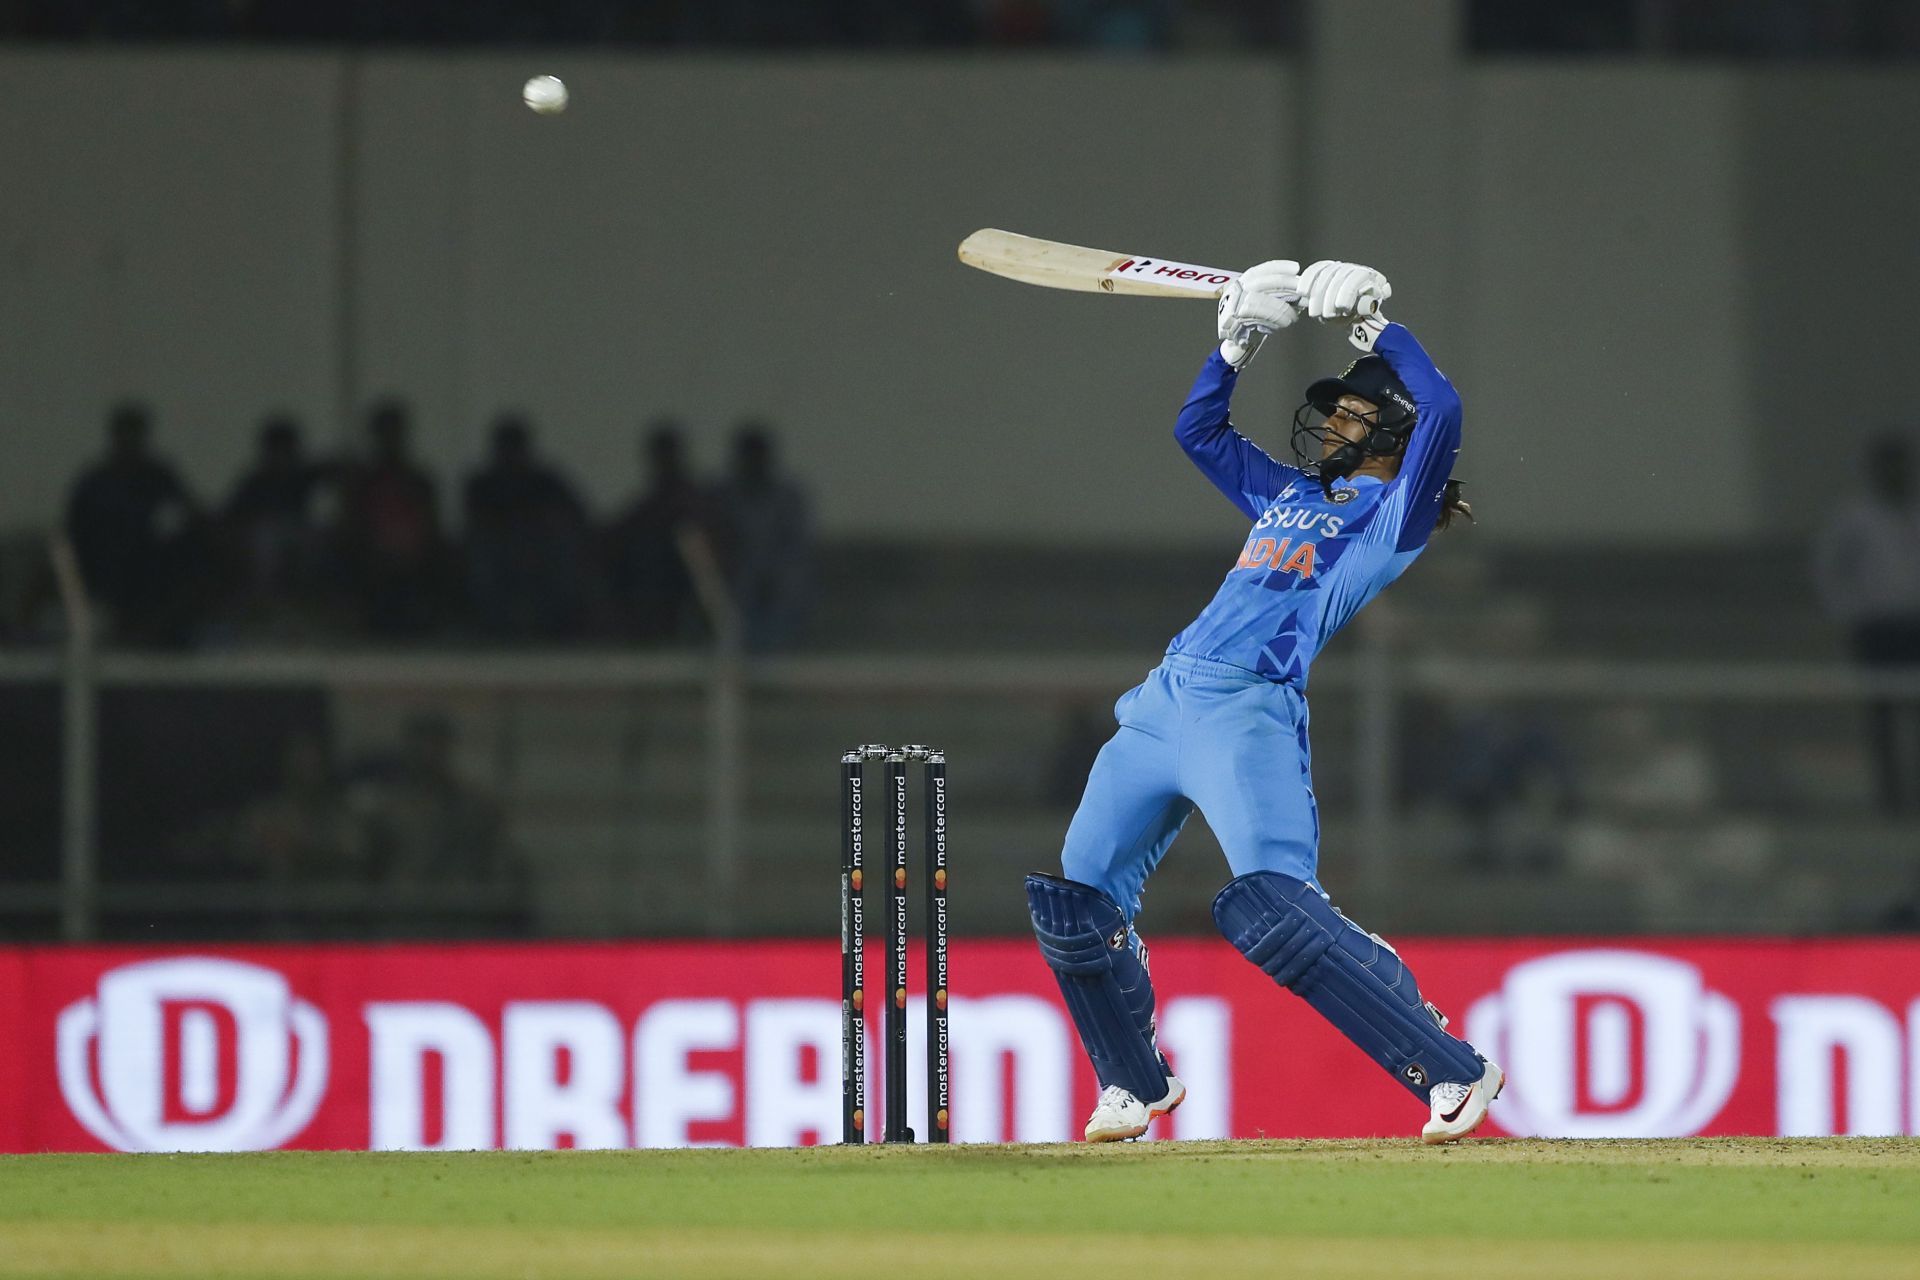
pixel 1866 574
pixel 1709 28
pixel 401 820
pixel 313 548
pixel 1117 24
pixel 1759 29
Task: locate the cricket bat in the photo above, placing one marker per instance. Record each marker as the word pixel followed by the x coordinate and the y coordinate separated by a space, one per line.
pixel 1070 266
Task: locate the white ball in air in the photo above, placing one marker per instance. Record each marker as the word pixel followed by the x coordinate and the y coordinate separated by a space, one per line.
pixel 545 94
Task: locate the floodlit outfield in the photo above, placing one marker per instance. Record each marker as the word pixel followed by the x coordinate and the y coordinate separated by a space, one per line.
pixel 1667 1210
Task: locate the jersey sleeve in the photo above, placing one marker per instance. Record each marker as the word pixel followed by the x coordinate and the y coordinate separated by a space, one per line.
pixel 1422 483
pixel 1237 466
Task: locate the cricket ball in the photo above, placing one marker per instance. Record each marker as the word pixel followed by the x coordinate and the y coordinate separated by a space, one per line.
pixel 545 95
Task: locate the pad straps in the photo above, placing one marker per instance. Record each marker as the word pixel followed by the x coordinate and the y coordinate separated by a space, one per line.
pixel 1350 977
pixel 1085 940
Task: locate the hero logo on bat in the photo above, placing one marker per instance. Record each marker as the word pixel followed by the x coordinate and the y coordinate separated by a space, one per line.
pixel 1171 270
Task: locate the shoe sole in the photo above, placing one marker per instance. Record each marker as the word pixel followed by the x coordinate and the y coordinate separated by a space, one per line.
pixel 1437 1139
pixel 1153 1113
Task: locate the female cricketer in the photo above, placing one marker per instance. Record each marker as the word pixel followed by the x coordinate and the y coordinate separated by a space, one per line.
pixel 1221 724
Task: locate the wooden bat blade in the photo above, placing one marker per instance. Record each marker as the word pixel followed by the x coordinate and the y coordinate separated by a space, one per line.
pixel 1054 265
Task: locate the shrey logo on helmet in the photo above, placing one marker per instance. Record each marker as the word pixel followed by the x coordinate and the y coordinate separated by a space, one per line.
pixel 192 1054
pixel 1619 1044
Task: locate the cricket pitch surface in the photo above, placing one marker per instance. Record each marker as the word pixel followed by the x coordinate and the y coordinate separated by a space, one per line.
pixel 1675 1209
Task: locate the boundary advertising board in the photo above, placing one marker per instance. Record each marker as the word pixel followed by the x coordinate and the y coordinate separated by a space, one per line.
pixel 670 1044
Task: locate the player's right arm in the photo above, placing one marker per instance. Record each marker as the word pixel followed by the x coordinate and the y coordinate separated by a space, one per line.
pixel 1238 467
pixel 1264 299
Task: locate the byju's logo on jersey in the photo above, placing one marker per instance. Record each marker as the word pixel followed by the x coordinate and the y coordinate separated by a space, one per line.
pixel 192 1054
pixel 1618 1044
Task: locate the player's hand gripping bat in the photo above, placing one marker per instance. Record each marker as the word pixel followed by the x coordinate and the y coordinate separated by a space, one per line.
pixel 1054 265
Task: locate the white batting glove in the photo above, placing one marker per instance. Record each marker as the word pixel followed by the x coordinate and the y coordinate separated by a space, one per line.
pixel 1278 275
pixel 1343 291
pixel 1264 300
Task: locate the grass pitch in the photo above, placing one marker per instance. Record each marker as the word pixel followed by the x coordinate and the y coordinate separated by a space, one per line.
pixel 1754 1209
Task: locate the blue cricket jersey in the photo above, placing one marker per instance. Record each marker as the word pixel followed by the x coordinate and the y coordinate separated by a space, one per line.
pixel 1312 558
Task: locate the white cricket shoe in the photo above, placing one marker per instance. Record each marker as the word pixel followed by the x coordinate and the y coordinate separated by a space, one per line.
pixel 1120 1115
pixel 1458 1109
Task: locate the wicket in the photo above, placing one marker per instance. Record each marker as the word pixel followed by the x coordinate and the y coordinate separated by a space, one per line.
pixel 853 960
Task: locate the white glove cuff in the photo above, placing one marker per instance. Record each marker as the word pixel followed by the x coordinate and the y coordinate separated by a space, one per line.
pixel 1365 330
pixel 1238 350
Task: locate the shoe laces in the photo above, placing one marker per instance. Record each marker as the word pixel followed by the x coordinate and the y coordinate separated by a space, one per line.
pixel 1115 1096
pixel 1448 1094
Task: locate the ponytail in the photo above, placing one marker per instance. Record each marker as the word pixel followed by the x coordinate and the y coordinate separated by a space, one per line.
pixel 1452 504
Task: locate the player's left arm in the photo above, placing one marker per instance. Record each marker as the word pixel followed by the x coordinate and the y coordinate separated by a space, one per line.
pixel 1238 467
pixel 1435 442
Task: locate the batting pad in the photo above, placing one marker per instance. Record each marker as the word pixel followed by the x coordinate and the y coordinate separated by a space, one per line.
pixel 1086 942
pixel 1349 977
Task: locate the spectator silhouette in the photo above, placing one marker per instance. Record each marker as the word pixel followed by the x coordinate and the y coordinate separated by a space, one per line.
pixel 768 541
pixel 301 831
pixel 425 828
pixel 1509 775
pixel 653 593
pixel 390 544
pixel 1867 571
pixel 269 514
pixel 136 531
pixel 525 537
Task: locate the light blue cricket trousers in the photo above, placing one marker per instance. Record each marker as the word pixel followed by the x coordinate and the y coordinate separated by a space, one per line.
pixel 1206 735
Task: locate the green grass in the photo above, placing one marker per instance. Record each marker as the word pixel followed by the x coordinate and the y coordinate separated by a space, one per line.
pixel 1746 1208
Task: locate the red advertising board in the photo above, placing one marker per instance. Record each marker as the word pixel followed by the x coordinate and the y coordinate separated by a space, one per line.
pixel 659 1044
